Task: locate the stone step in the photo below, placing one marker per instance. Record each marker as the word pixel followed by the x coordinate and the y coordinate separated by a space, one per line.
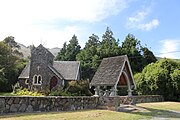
pixel 106 108
pixel 128 109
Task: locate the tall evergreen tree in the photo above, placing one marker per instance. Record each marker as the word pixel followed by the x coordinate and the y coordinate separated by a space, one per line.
pixel 109 46
pixel 89 58
pixel 148 55
pixel 131 47
pixel 69 52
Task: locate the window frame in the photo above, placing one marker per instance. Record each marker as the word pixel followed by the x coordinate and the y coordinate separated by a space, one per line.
pixel 36 80
pixel 26 81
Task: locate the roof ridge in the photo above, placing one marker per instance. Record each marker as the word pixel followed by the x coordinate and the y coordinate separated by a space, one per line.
pixel 43 48
pixel 116 57
pixel 55 71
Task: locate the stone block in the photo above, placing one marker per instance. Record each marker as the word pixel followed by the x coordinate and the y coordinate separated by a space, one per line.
pixel 14 108
pixel 22 108
pixel 29 108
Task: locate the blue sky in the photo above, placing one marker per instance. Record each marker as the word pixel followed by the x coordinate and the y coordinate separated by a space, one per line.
pixel 156 23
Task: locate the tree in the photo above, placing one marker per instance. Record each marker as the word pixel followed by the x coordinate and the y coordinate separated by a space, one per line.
pixel 9 41
pixel 176 83
pixel 131 47
pixel 69 52
pixel 10 67
pixel 89 57
pixel 162 78
pixel 109 46
pixel 148 55
pixel 62 54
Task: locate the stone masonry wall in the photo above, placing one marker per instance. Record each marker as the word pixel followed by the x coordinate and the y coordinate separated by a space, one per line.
pixel 16 104
pixel 31 104
pixel 116 101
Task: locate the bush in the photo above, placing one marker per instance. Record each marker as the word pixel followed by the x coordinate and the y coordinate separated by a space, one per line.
pixel 26 92
pixel 79 88
pixel 60 92
pixel 162 78
pixel 74 88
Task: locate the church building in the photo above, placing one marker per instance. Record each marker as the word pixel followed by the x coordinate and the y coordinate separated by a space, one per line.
pixel 43 73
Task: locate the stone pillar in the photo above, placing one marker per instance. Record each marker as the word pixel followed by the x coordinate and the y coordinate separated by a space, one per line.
pixel 129 92
pixel 113 91
pixel 97 90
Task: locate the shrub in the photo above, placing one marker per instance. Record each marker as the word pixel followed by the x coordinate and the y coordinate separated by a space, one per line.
pixel 74 88
pixel 79 88
pixel 26 92
pixel 160 78
pixel 60 92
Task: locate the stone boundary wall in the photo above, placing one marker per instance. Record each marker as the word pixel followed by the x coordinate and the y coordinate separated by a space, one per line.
pixel 31 104
pixel 116 101
pixel 17 104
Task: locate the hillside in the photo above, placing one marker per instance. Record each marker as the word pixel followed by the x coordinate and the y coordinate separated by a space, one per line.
pixel 26 50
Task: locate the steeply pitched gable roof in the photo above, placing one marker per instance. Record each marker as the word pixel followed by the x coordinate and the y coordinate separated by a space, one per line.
pixel 43 48
pixel 68 69
pixel 109 71
pixel 55 72
pixel 25 72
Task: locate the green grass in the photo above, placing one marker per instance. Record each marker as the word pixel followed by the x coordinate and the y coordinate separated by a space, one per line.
pixel 77 115
pixel 7 94
pixel 150 110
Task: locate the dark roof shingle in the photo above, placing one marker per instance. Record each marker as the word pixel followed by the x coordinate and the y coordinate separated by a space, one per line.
pixel 109 70
pixel 68 69
pixel 25 72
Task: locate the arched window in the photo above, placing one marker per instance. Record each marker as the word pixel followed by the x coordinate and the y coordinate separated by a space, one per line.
pixel 37 80
pixel 27 81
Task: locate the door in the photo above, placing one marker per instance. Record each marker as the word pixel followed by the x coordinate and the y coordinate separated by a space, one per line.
pixel 53 82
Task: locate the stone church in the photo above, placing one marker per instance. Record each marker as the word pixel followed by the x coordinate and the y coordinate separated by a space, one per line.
pixel 43 73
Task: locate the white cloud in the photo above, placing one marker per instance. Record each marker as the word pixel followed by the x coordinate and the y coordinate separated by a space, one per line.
pixel 170 48
pixel 31 20
pixel 138 21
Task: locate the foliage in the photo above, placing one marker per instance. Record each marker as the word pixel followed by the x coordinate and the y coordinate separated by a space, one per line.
pixel 148 55
pixel 161 78
pixel 74 88
pixel 79 88
pixel 139 56
pixel 17 90
pixel 89 58
pixel 109 46
pixel 69 51
pixel 10 67
pixel 95 50
pixel 26 92
pixel 60 92
pixel 9 41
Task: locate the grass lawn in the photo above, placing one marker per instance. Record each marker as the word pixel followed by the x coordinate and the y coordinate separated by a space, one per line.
pixel 167 110
pixel 6 94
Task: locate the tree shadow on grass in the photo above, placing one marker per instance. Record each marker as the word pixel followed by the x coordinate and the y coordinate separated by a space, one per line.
pixel 151 112
pixel 18 114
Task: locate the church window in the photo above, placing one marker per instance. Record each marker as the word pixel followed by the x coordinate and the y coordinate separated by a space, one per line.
pixel 27 81
pixel 37 80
